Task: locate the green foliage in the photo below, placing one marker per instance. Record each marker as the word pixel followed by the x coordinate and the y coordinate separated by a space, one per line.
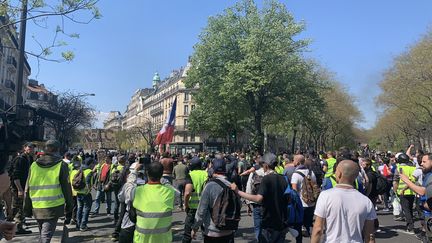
pixel 39 12
pixel 250 71
pixel 406 98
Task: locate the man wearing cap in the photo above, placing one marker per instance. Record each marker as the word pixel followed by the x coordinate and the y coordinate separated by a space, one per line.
pixel 20 170
pixel 194 185
pixel 274 203
pixel 208 197
pixel 48 193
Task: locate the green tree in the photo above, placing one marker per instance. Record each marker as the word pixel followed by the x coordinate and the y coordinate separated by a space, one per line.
pixel 53 15
pixel 406 98
pixel 249 67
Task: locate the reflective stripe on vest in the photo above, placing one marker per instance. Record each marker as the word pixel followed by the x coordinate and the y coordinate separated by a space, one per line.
pixel 44 186
pixel 154 204
pixel 199 177
pixel 408 171
pixel 87 189
pixel 330 164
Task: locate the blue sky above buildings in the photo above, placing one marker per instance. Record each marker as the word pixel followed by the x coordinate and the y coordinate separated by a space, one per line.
pixel 119 53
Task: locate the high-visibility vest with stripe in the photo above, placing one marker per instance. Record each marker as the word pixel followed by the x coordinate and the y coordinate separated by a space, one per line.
pixel 154 204
pixel 408 171
pixel 199 177
pixel 44 186
pixel 87 189
pixel 330 164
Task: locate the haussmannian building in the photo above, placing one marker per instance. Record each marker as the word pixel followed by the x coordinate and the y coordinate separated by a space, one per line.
pixel 152 106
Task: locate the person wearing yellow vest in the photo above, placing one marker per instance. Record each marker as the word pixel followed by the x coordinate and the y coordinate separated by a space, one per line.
pixel 195 182
pixel 102 180
pixel 84 197
pixel 74 167
pixel 405 194
pixel 152 208
pixel 48 193
pixel 329 164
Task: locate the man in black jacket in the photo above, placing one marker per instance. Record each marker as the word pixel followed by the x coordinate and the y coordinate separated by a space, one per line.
pixel 20 169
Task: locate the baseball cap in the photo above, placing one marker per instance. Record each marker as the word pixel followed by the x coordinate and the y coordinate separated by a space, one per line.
pixel 52 143
pixel 269 158
pixel 219 166
pixel 195 162
pixel 29 144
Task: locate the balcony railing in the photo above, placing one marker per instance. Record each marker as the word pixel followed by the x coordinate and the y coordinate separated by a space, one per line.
pixel 11 61
pixel 9 84
pixel 156 111
pixel 181 128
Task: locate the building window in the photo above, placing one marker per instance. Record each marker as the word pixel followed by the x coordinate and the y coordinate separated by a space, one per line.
pixel 186 97
pixel 193 107
pixel 185 123
pixel 186 110
pixel 185 138
pixel 192 137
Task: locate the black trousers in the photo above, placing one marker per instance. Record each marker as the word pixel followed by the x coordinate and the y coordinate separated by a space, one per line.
pixel 223 239
pixel 407 203
pixel 189 221
pixel 126 235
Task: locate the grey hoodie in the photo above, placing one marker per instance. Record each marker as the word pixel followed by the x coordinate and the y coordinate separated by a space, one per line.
pixel 47 161
pixel 203 214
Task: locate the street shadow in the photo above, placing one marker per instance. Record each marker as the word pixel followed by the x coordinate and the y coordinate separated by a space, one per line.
pixel 79 238
pixel 101 220
pixel 386 233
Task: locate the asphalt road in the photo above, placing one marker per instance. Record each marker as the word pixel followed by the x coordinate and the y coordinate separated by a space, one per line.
pixel 101 228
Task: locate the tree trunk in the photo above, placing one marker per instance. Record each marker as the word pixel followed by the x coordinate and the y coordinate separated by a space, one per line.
pixel 258 135
pixel 293 141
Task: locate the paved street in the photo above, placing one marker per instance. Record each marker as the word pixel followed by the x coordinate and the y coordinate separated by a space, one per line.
pixel 101 229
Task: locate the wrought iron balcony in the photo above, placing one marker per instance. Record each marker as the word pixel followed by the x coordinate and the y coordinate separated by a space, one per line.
pixel 9 84
pixel 11 61
pixel 156 111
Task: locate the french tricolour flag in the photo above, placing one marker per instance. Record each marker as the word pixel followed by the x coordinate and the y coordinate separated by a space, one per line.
pixel 166 134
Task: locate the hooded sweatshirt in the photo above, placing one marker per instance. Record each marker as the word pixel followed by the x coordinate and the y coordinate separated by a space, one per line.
pixel 48 161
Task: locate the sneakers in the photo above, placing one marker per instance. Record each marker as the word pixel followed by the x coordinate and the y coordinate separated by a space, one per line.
pixel 399 218
pixel 386 210
pixel 410 231
pixel 83 229
pixel 22 231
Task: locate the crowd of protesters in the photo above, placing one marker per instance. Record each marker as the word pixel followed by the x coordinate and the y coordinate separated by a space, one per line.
pixel 305 194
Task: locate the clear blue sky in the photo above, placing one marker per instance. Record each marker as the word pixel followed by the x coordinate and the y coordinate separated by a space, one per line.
pixel 119 53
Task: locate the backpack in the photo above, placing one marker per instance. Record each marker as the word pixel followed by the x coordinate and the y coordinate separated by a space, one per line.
pixel 295 207
pixel 256 183
pixel 226 208
pixel 116 180
pixel 381 185
pixel 78 181
pixel 309 189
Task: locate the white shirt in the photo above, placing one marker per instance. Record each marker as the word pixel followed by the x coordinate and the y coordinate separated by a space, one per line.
pixel 298 179
pixel 345 212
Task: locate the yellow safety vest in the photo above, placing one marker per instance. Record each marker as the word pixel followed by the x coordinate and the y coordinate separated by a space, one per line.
pixel 199 177
pixel 154 204
pixel 87 189
pixel 330 164
pixel 279 169
pixel 44 186
pixel 334 183
pixel 71 177
pixel 408 171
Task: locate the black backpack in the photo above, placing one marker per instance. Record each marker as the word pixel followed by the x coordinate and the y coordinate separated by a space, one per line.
pixel 78 181
pixel 226 209
pixel 381 185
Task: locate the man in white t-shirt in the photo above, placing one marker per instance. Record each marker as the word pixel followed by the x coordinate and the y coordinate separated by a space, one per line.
pixel 335 213
pixel 296 181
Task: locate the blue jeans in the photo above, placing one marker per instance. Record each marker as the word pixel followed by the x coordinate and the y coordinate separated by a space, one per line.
pixel 99 194
pixel 256 211
pixel 83 211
